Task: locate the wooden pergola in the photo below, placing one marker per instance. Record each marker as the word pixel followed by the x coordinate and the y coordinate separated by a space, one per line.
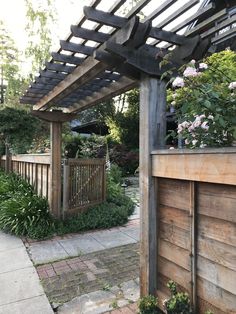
pixel 118 53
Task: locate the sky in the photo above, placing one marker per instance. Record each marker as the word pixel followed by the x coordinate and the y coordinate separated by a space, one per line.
pixel 13 14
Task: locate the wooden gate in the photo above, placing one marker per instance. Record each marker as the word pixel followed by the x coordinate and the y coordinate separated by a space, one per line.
pixel 83 184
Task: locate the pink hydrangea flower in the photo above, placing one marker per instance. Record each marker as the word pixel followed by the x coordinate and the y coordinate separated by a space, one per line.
pixel 232 85
pixel 190 71
pixel 205 125
pixel 178 82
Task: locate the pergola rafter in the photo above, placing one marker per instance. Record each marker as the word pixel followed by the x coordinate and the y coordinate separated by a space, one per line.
pixel 68 80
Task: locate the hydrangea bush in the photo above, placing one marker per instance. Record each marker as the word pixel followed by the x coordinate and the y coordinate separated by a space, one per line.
pixel 204 98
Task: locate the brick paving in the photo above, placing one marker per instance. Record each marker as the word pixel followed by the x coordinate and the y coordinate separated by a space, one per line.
pixel 67 279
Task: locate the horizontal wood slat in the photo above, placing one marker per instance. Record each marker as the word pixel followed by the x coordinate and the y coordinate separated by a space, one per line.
pixel 205 167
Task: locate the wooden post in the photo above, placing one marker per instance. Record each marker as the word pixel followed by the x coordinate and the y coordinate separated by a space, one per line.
pixel 8 158
pixel 66 187
pixel 152 136
pixel 55 168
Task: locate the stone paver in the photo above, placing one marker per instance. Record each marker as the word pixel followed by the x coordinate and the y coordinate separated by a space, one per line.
pixel 104 301
pixel 81 244
pixel 21 291
pixel 71 278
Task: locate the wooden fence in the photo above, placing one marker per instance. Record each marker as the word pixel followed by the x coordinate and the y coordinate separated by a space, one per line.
pixel 34 169
pixel 196 241
pixel 84 184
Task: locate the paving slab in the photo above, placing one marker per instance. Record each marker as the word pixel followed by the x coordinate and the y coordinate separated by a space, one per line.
pixel 100 301
pixel 36 305
pixel 16 258
pixel 112 239
pixel 93 303
pixel 132 232
pixel 8 241
pixel 130 290
pixel 47 251
pixel 81 245
pixel 19 284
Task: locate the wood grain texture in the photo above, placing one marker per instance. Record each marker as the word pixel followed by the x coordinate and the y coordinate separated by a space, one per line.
pixel 215 168
pixel 220 276
pixel 55 169
pixel 152 134
pixel 174 254
pixel 175 235
pixel 216 296
pixel 217 201
pixel 174 193
pixel 216 229
pixel 217 252
pixel 174 216
pixel 180 275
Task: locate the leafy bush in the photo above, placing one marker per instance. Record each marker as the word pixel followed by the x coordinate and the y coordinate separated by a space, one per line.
pixel 116 173
pixel 127 160
pixel 179 302
pixel 21 211
pixel 205 101
pixel 148 305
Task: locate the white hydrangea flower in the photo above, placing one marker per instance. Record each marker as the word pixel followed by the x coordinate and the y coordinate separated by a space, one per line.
pixel 203 66
pixel 178 82
pixel 232 85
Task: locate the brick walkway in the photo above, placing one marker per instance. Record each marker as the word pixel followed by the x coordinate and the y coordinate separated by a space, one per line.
pixel 67 279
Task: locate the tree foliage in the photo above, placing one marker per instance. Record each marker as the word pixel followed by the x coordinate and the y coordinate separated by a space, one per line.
pixel 18 128
pixel 124 125
pixel 40 16
pixel 11 80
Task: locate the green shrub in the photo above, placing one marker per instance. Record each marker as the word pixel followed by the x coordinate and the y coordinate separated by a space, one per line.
pixel 115 173
pixel 179 302
pixel 148 305
pixel 26 215
pixel 102 216
pixel 22 212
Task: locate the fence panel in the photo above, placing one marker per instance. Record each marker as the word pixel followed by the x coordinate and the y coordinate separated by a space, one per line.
pixel 34 169
pixel 84 184
pixel 196 192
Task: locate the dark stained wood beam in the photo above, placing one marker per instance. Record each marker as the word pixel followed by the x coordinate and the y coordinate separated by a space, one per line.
pixel 218 27
pixel 225 35
pixel 167 36
pixel 177 13
pixel 206 23
pixel 54 116
pixel 104 17
pixel 66 59
pixel 76 48
pixel 28 100
pixel 41 86
pixel 45 80
pixel 89 70
pixel 162 8
pixel 53 75
pixel 89 34
pixel 59 67
pixel 105 93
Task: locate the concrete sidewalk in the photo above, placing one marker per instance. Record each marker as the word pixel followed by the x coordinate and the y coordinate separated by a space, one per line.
pixel 72 245
pixel 21 291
